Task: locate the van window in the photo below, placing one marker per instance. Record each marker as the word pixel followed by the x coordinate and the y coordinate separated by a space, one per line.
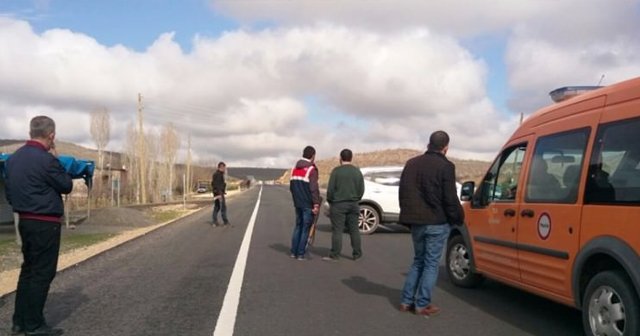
pixel 501 182
pixel 554 173
pixel 614 170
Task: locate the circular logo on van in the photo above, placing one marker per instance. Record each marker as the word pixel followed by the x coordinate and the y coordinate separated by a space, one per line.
pixel 544 226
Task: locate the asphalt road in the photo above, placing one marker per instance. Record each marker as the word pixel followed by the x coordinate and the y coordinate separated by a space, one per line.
pixel 173 281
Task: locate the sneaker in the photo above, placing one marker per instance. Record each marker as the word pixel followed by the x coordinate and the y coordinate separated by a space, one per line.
pixel 407 308
pixel 301 258
pixel 214 223
pixel 330 258
pixel 292 256
pixel 428 311
pixel 45 330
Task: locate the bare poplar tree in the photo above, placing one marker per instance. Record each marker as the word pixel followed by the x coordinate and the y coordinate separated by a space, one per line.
pixel 131 149
pixel 100 133
pixel 170 141
pixel 151 157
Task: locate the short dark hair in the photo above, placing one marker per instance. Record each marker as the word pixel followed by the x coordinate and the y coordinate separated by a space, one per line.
pixel 221 164
pixel 438 140
pixel 41 127
pixel 308 152
pixel 346 155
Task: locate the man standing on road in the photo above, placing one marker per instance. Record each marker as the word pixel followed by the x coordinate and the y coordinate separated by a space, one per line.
pixel 306 200
pixel 345 190
pixel 428 204
pixel 219 187
pixel 35 182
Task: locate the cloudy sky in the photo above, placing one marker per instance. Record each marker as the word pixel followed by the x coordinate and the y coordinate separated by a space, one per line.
pixel 254 81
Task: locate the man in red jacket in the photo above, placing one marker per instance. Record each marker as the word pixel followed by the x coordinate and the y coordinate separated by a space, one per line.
pixel 306 200
pixel 35 182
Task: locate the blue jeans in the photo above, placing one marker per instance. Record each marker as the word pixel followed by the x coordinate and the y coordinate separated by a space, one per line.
pixel 304 219
pixel 428 243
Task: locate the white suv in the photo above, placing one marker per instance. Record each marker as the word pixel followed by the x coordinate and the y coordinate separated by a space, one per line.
pixel 379 204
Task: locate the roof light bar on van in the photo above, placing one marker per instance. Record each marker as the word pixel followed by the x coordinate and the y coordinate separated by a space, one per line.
pixel 567 92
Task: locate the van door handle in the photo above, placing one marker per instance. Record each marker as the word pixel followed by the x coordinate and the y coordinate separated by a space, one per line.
pixel 509 213
pixel 527 213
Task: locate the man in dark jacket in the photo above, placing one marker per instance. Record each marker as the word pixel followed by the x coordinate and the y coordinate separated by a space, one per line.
pixel 35 182
pixel 428 204
pixel 306 200
pixel 345 190
pixel 219 187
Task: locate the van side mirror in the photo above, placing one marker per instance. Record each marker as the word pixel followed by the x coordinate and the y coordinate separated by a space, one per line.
pixel 467 190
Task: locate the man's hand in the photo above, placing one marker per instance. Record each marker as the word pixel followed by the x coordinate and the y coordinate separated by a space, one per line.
pixel 316 209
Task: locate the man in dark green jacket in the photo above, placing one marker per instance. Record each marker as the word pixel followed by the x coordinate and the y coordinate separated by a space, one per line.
pixel 346 187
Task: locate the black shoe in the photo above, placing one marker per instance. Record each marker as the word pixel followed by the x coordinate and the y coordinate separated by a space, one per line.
pixel 45 331
pixel 227 224
pixel 17 330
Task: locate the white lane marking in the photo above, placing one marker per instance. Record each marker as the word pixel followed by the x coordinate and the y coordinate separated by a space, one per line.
pixel 227 318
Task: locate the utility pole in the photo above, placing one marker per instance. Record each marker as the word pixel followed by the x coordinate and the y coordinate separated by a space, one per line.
pixel 141 153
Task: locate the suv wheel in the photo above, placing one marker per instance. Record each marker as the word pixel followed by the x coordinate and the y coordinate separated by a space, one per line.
pixel 610 306
pixel 368 220
pixel 459 264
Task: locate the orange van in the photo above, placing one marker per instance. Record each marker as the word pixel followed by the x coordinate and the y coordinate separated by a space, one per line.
pixel 558 212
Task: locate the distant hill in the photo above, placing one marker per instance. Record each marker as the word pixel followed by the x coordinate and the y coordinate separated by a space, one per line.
pixel 264 174
pixel 200 173
pixel 465 169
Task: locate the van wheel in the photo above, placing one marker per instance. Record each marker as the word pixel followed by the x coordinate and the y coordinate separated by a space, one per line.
pixel 610 306
pixel 368 220
pixel 459 264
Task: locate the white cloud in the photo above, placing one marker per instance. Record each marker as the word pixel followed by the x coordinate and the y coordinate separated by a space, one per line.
pixel 549 52
pixel 457 17
pixel 550 43
pixel 242 95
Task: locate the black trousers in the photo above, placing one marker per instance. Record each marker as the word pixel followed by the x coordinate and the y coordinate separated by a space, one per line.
pixel 40 250
pixel 220 205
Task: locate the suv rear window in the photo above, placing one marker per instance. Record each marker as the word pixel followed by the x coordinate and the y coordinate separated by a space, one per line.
pixel 388 178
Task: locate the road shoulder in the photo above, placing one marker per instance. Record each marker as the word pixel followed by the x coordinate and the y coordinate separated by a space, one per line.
pixel 9 279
